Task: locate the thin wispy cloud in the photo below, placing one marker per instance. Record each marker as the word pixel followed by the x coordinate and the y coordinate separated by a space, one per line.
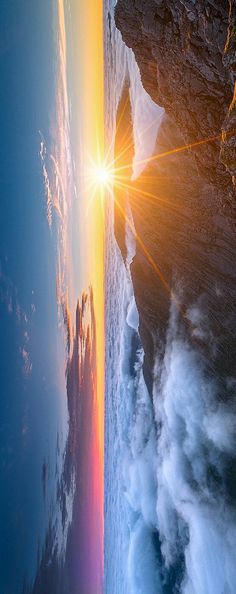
pixel 57 171
pixel 76 563
pixel 9 299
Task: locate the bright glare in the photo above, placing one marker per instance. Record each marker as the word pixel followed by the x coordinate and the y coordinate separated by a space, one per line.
pixel 101 175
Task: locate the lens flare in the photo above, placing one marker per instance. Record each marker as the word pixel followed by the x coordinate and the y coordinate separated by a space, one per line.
pixel 102 175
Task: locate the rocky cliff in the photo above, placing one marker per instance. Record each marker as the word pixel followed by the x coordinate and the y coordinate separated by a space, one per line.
pixel 185 51
pixel 184 203
pixel 228 148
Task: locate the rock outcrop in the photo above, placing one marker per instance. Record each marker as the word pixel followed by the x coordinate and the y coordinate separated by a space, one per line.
pixel 228 148
pixel 184 203
pixel 180 50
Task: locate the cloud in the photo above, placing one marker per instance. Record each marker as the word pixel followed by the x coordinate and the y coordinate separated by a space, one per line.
pixel 9 299
pixel 71 557
pixel 9 296
pixel 47 182
pixel 27 364
pixel 58 171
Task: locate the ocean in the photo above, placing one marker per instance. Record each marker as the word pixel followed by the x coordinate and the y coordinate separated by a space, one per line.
pixel 129 424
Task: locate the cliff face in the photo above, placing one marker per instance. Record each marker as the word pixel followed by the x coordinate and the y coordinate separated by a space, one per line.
pixel 228 148
pixel 180 50
pixel 184 203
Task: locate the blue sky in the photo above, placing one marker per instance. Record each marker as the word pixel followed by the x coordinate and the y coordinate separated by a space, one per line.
pixel 32 351
pixel 48 434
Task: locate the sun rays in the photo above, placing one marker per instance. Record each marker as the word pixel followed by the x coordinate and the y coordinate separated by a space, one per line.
pixel 100 175
pixel 110 177
pixel 108 174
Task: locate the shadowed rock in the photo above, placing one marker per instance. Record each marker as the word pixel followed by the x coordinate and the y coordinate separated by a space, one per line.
pixel 186 219
pixel 179 47
pixel 228 148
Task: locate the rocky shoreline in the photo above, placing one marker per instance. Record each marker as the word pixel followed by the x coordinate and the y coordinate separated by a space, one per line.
pixel 184 204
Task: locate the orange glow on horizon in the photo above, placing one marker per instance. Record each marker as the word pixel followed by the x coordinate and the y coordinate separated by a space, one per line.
pixel 92 140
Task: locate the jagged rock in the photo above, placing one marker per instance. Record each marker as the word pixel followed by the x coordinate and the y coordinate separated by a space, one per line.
pixel 192 244
pixel 228 147
pixel 179 47
pixel 183 205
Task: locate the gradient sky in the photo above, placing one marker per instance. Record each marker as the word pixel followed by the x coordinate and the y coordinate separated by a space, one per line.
pixel 51 251
pixel 75 215
pixel 85 75
pixel 33 405
pixel 90 140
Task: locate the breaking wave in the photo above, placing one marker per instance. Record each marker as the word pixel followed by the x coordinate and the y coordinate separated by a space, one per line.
pixel 195 469
pixel 177 470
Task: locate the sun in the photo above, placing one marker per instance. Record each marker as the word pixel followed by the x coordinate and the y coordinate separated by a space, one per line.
pixel 102 175
pixel 99 180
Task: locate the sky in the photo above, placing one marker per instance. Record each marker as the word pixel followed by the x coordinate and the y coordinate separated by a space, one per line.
pixel 51 297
